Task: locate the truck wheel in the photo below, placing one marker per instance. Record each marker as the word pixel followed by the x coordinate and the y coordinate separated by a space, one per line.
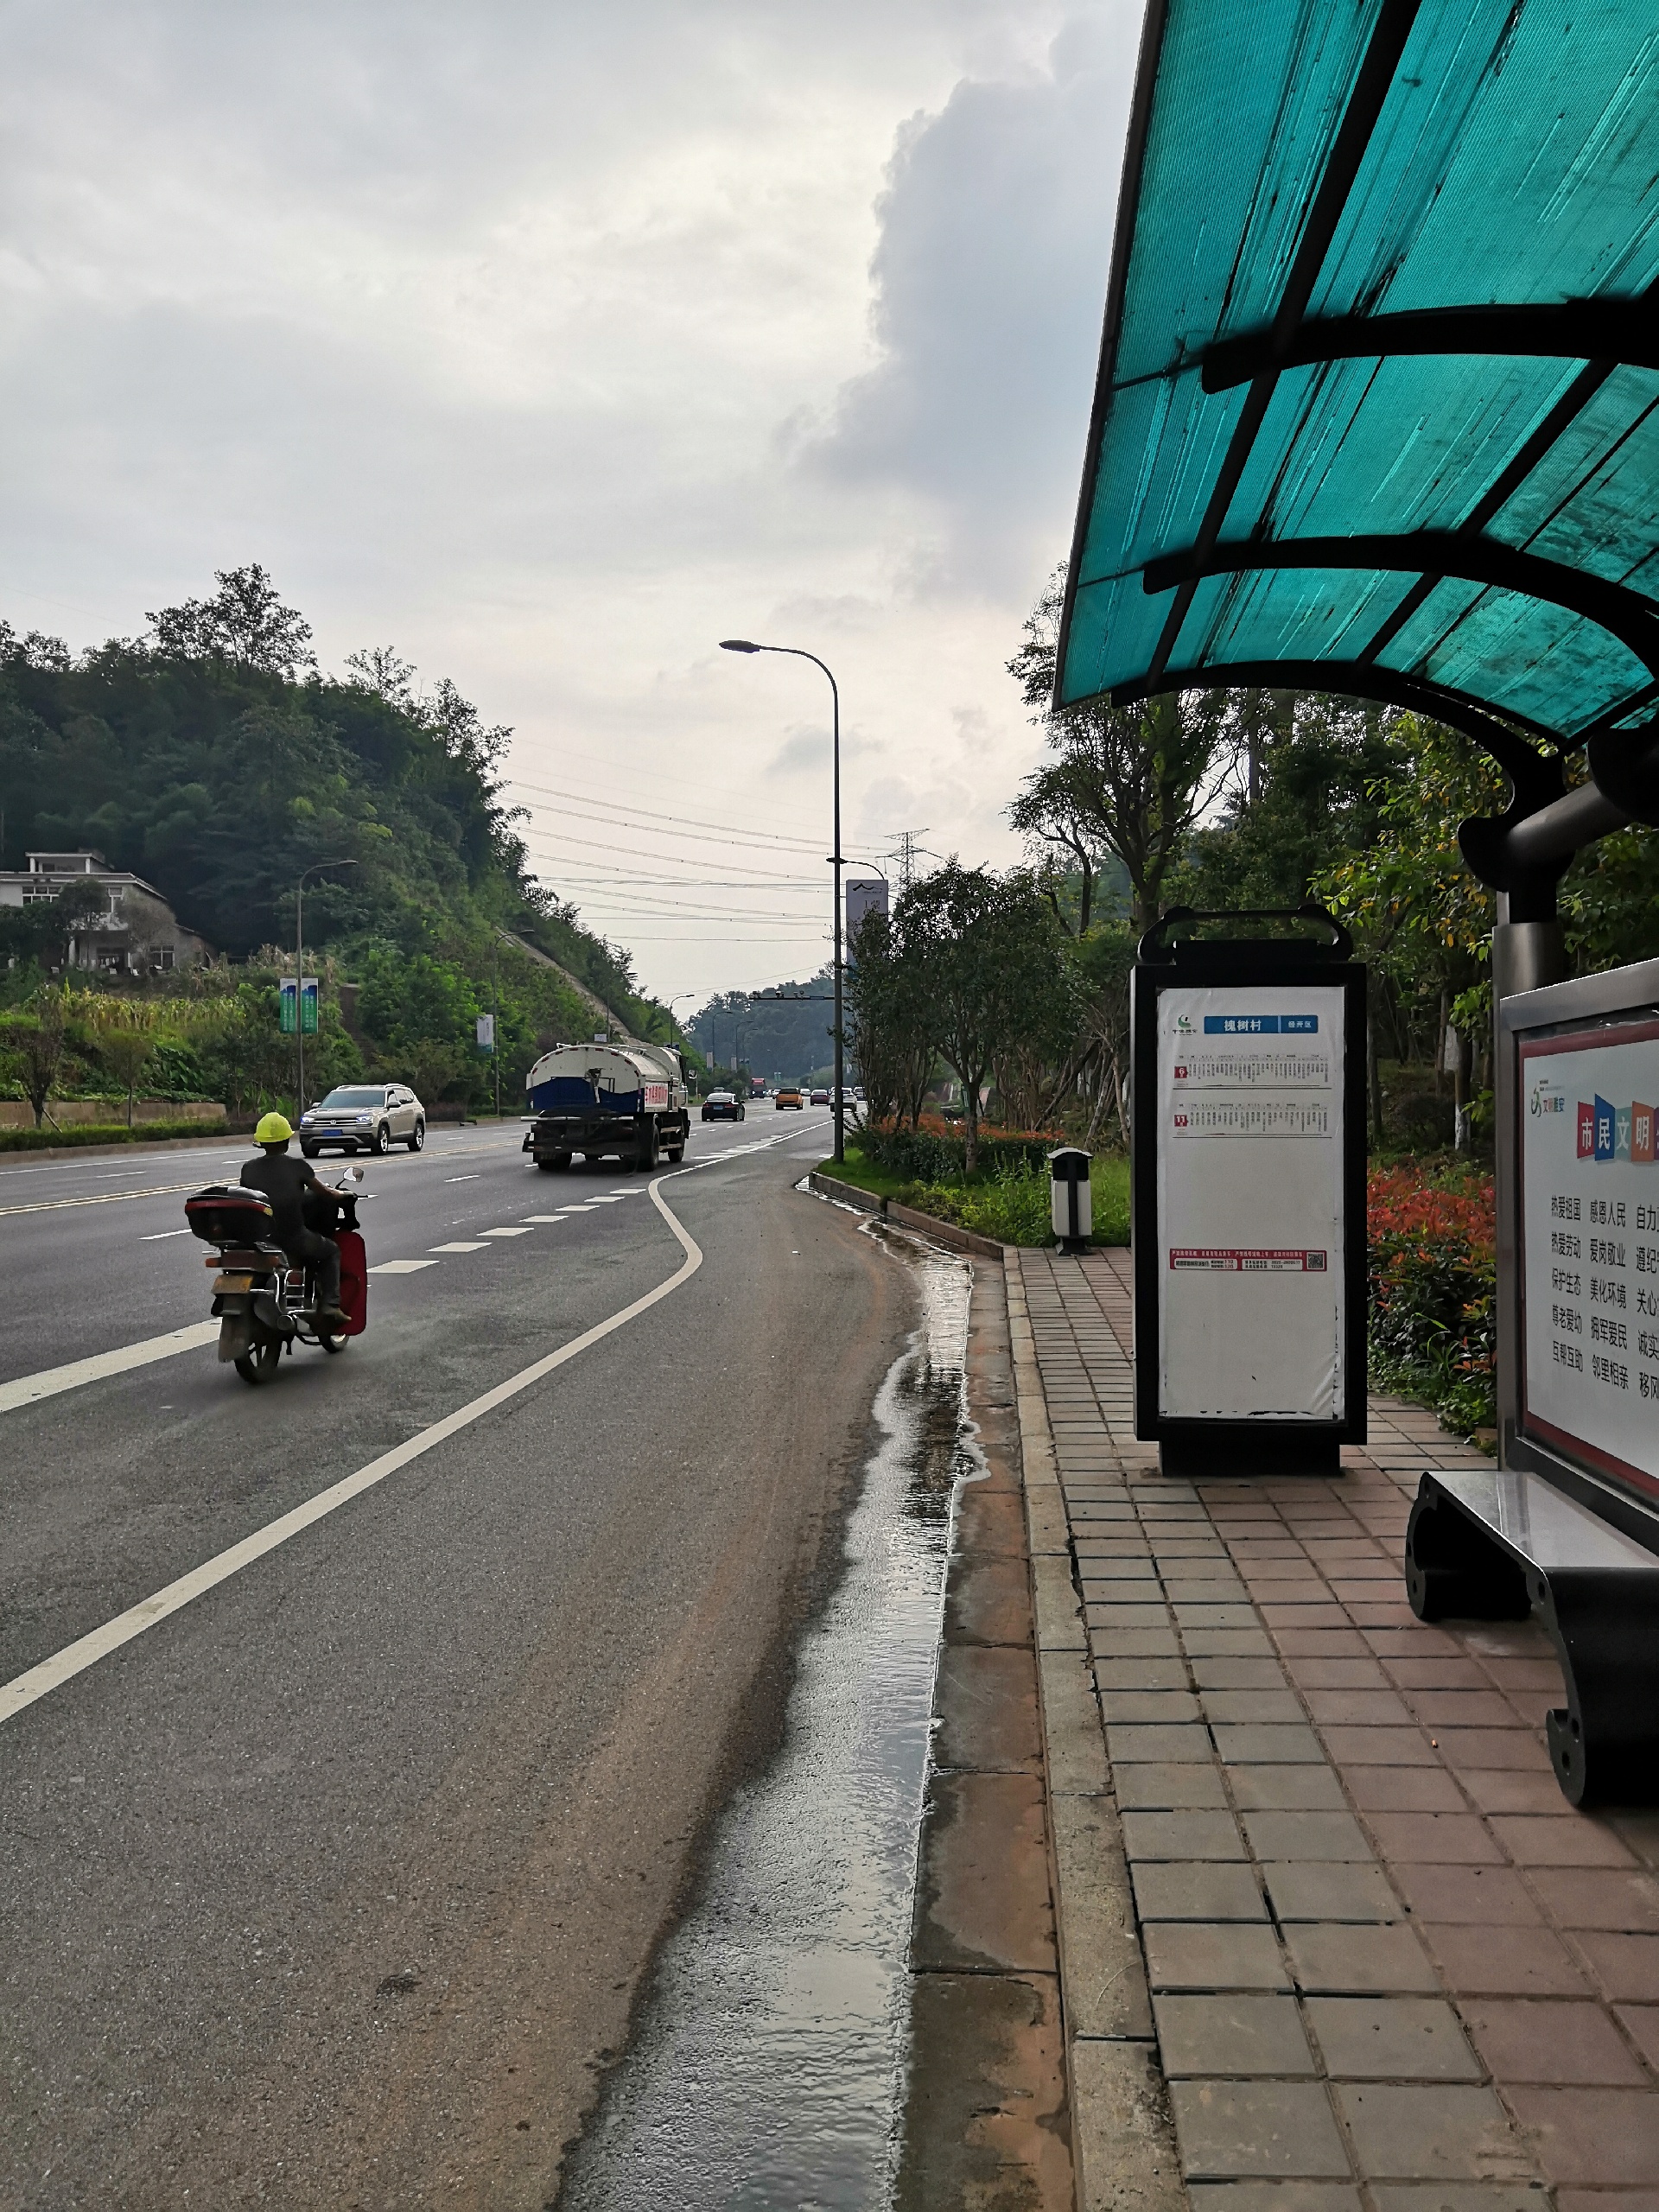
pixel 675 1152
pixel 646 1152
pixel 550 1162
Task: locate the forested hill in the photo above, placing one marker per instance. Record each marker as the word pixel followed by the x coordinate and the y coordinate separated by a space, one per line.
pixel 210 758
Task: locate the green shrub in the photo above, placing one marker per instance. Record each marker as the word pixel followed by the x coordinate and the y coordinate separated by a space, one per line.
pixel 81 1132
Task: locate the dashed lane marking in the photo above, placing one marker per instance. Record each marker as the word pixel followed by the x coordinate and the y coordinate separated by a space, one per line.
pixel 401 1267
pixel 25 1689
pixel 509 1232
pixel 460 1245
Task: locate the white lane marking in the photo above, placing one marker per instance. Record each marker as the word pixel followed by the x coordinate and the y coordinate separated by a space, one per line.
pixel 103 1197
pixel 602 1199
pixel 546 1220
pixel 25 1689
pixel 472 1178
pixel 589 1208
pixel 401 1267
pixel 159 1236
pixel 634 1193
pixel 509 1232
pixel 28 1390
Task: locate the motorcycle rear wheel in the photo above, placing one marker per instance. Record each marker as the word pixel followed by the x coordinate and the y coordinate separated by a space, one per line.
pixel 260 1365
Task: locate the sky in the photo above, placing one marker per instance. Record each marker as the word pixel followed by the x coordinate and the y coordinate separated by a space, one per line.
pixel 551 344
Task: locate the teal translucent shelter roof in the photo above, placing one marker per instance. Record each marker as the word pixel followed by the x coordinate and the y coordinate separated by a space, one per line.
pixel 1378 409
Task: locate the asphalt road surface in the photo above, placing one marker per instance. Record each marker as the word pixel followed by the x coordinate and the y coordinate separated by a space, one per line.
pixel 331 1882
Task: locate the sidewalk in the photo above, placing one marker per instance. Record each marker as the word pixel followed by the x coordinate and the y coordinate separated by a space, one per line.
pixel 1331 1936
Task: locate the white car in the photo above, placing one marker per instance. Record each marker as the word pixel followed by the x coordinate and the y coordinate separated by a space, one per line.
pixel 364 1117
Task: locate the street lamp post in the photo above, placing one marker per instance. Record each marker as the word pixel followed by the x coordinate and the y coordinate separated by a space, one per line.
pixel 299 971
pixel 745 646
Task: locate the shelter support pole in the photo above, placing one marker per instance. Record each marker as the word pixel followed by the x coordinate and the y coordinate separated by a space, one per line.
pixel 1525 956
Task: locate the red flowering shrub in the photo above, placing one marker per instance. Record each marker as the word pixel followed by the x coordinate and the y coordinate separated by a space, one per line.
pixel 1433 1282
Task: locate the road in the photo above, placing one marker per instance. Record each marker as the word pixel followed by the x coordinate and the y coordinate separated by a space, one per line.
pixel 335 1885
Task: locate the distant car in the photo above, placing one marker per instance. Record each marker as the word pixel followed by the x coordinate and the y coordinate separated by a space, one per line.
pixel 789 1096
pixel 723 1106
pixel 364 1117
pixel 820 1098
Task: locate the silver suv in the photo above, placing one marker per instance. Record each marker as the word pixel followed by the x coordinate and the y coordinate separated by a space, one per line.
pixel 364 1117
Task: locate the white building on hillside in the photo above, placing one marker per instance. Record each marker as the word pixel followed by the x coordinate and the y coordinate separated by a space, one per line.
pixel 137 932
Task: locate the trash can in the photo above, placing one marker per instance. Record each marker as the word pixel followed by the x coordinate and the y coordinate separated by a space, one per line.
pixel 1071 1198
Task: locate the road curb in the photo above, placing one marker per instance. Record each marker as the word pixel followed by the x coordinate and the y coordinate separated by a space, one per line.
pixel 942 1232
pixel 1122 2136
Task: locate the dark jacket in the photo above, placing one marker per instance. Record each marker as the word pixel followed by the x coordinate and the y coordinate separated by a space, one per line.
pixel 284 1181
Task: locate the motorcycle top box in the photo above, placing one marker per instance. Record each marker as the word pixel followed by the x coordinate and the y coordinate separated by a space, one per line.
pixel 226 1213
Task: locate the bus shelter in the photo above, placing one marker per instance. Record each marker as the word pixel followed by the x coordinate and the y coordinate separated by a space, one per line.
pixel 1377 417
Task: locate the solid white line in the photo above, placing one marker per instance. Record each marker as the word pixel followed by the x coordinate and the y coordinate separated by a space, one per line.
pixel 51 1673
pixel 27 1389
pixel 103 1199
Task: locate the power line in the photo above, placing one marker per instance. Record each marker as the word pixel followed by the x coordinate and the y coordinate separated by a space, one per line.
pixel 680 825
pixel 600 845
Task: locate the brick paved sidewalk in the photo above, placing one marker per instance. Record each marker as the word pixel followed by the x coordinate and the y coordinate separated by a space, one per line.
pixel 1390 1966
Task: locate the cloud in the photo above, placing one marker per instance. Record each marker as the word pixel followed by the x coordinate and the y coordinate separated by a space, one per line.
pixel 990 276
pixel 555 344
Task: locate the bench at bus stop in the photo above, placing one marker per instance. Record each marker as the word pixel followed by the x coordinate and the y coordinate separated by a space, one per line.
pixel 1497 1545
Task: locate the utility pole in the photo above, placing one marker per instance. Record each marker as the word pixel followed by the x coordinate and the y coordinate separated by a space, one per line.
pixel 299 973
pixel 837 859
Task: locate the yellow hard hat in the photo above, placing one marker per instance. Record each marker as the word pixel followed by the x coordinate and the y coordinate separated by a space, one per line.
pixel 273 1130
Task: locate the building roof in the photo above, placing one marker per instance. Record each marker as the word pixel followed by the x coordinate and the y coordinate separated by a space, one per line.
pixel 1379 403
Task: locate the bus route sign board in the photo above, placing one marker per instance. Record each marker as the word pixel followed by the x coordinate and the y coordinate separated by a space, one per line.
pixel 1588 1258
pixel 1248 1203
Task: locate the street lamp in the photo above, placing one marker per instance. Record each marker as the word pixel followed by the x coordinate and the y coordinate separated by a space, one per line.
pixel 299 969
pixel 745 646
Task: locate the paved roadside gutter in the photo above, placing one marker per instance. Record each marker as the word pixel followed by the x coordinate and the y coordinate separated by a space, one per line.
pixel 986 2122
pixel 1330 1939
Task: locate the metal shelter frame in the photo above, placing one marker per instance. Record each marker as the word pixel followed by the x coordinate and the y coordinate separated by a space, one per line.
pixel 1313 201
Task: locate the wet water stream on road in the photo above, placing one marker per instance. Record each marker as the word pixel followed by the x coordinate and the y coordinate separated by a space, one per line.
pixel 767 2070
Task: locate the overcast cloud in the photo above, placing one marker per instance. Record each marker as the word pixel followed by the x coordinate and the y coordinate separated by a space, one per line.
pixel 551 344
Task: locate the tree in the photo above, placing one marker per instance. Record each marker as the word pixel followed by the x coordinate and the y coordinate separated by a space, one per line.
pixel 41 930
pixel 890 1035
pixel 1128 780
pixel 125 1032
pixel 989 969
pixel 33 1042
pixel 245 622
pixel 1414 905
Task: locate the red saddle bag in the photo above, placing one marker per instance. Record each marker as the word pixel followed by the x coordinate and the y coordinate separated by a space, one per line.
pixel 353 1282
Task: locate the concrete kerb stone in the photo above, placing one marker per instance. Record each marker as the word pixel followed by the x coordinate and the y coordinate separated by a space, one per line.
pixel 1122 2129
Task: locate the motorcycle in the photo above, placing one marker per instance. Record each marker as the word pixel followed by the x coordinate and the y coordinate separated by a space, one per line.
pixel 263 1305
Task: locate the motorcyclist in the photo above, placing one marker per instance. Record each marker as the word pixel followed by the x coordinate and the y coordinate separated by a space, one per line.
pixel 285 1181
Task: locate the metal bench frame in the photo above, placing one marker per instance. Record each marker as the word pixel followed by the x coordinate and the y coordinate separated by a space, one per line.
pixel 1500 1544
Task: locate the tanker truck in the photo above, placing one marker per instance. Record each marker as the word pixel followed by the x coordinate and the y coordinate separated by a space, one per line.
pixel 623 1102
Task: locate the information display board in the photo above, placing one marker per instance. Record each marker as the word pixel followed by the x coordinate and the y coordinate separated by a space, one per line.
pixel 1251 1223
pixel 1248 1182
pixel 1588 1247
